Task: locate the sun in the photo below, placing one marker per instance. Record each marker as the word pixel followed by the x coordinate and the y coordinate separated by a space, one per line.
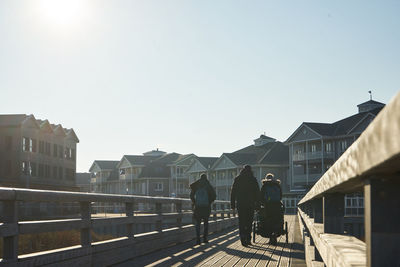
pixel 61 12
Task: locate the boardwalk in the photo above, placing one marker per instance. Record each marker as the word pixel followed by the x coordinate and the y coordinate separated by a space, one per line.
pixel 226 250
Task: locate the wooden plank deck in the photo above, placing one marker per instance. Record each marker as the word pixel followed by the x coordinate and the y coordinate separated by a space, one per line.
pixel 225 249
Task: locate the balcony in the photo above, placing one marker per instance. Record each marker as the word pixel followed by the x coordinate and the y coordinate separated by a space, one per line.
pixel 313 155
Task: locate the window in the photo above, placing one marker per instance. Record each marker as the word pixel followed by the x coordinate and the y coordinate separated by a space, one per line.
pixel 8 143
pixel 47 149
pixel 33 169
pixel 354 204
pixel 313 148
pixel 60 151
pixel 25 168
pixel 41 147
pixel 328 147
pixel 158 187
pixel 73 155
pixel 121 171
pixel 34 143
pixel 343 145
pixel 68 153
pixel 55 150
pixel 27 144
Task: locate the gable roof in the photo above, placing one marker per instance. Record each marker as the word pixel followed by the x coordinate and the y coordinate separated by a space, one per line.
pixel 369 102
pixel 106 164
pixel 138 159
pixel 158 167
pixel 338 128
pixel 15 120
pixel 207 162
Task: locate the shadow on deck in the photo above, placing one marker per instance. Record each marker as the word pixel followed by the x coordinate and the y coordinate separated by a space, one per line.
pixel 225 249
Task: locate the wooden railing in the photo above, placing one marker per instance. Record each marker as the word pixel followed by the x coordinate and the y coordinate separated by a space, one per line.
pixel 371 165
pixel 105 252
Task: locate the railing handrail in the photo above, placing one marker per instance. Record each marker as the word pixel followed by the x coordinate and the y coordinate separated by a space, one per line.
pixel 370 154
pixel 21 194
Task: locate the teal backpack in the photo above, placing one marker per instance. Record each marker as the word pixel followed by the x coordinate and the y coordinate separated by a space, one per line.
pixel 272 194
pixel 201 197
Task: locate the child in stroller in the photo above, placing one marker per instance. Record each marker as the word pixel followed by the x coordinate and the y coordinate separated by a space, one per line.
pixel 269 218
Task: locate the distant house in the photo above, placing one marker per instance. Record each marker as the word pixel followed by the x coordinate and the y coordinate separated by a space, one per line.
pixel 199 166
pixel 265 155
pixel 179 177
pixel 36 154
pixel 104 177
pixel 314 147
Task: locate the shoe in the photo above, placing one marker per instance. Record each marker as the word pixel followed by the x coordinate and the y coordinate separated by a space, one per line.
pixel 244 244
pixel 198 241
pixel 205 240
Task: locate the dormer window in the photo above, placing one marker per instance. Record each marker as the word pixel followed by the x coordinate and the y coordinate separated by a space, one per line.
pixel 121 171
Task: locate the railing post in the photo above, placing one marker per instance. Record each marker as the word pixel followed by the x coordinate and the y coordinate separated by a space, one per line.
pixel 229 210
pixel 159 220
pixel 10 244
pixel 382 221
pixel 86 239
pixel 222 211
pixel 129 214
pixel 317 210
pixel 179 211
pixel 333 213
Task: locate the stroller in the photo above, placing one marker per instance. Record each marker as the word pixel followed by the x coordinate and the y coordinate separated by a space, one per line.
pixel 269 220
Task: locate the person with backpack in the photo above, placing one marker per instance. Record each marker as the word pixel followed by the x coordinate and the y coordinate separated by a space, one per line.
pixel 202 195
pixel 244 196
pixel 272 211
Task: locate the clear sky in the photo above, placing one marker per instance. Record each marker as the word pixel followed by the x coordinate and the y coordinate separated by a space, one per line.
pixel 202 77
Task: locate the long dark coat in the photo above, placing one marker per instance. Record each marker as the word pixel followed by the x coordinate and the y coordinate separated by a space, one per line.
pixel 202 212
pixel 245 191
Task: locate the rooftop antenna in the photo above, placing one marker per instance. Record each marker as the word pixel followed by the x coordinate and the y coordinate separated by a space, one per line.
pixel 370 95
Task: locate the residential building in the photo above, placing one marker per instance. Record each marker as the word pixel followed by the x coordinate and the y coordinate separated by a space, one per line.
pixel 179 177
pixel 314 147
pixel 266 155
pixel 104 177
pixel 130 169
pixel 36 154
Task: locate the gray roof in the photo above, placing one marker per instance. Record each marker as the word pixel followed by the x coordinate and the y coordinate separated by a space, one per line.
pixel 158 167
pixel 139 159
pixel 107 164
pixel 207 162
pixel 341 127
pixel 369 102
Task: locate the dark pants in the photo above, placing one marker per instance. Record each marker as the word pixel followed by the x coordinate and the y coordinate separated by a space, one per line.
pixel 198 223
pixel 246 215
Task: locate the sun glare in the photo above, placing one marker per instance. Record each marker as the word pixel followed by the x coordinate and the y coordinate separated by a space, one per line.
pixel 61 12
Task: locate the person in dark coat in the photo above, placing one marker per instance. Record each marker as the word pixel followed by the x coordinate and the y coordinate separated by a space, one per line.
pixel 272 212
pixel 202 195
pixel 244 197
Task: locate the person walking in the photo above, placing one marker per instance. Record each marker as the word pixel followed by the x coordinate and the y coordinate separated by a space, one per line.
pixel 244 197
pixel 202 195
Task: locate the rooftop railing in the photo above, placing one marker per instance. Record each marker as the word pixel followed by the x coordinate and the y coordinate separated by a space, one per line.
pixel 371 165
